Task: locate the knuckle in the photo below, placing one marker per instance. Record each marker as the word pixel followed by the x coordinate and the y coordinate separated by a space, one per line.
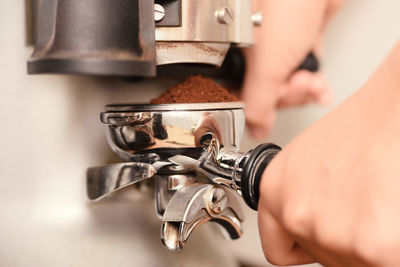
pixel 329 238
pixel 276 262
pixel 296 213
pixel 279 259
pixel 295 218
pixel 332 233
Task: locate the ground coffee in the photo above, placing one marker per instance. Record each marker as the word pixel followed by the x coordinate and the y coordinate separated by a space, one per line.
pixel 195 89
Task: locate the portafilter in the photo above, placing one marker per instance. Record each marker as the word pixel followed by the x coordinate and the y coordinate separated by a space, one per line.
pixel 191 151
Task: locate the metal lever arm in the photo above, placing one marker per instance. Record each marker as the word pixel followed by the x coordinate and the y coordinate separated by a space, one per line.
pixel 194 205
pixel 104 180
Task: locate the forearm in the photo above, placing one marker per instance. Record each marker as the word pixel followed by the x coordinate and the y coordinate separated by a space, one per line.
pixel 379 98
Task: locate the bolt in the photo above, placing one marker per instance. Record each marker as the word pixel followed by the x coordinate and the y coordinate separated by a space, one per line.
pixel 159 12
pixel 225 15
pixel 257 19
pixel 217 200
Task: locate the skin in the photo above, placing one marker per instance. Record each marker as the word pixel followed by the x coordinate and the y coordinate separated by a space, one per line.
pixel 332 195
pixel 290 30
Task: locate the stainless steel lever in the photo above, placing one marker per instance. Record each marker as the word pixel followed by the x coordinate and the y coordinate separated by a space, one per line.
pixel 106 179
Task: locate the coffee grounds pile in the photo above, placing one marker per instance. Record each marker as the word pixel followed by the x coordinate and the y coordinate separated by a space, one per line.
pixel 195 89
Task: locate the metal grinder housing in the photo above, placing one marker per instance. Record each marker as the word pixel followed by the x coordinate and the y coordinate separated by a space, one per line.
pixel 132 37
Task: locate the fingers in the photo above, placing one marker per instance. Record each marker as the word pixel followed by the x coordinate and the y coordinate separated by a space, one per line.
pixel 281 248
pixel 285 235
pixel 302 88
pixel 260 126
pixel 289 31
pixel 305 87
pixel 260 98
pixel 276 53
pixel 278 246
pixel 333 8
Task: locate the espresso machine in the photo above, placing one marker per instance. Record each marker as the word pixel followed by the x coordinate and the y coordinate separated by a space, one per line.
pixel 188 154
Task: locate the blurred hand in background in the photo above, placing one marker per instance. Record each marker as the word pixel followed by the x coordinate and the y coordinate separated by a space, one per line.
pixel 291 29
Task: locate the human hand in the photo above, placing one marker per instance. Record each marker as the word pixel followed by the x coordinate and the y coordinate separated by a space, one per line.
pixel 290 30
pixel 332 195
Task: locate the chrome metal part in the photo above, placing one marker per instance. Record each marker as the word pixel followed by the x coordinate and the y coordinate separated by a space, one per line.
pixel 167 185
pixel 207 30
pixel 225 15
pixel 201 137
pixel 199 23
pixel 159 12
pixel 174 107
pixel 190 207
pixel 217 200
pixel 257 19
pixel 162 194
pixel 192 153
pixel 104 180
pixel 171 129
pixel 191 52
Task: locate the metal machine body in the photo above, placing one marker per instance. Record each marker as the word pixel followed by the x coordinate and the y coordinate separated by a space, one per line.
pixel 191 154
pixel 132 37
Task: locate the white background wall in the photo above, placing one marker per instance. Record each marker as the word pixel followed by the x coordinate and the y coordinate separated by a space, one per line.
pixel 50 133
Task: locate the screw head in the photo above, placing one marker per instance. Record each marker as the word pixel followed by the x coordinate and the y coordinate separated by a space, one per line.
pixel 225 15
pixel 159 12
pixel 217 200
pixel 257 19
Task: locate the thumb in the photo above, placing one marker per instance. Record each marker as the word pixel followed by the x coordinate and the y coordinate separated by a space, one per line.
pixel 278 246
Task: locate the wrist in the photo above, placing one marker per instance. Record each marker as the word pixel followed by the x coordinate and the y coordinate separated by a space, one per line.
pixel 379 99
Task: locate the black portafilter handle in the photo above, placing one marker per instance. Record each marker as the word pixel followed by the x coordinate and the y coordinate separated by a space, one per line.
pixel 310 63
pixel 253 169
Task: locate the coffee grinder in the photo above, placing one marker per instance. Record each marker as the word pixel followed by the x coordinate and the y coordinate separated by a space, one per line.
pixel 189 153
